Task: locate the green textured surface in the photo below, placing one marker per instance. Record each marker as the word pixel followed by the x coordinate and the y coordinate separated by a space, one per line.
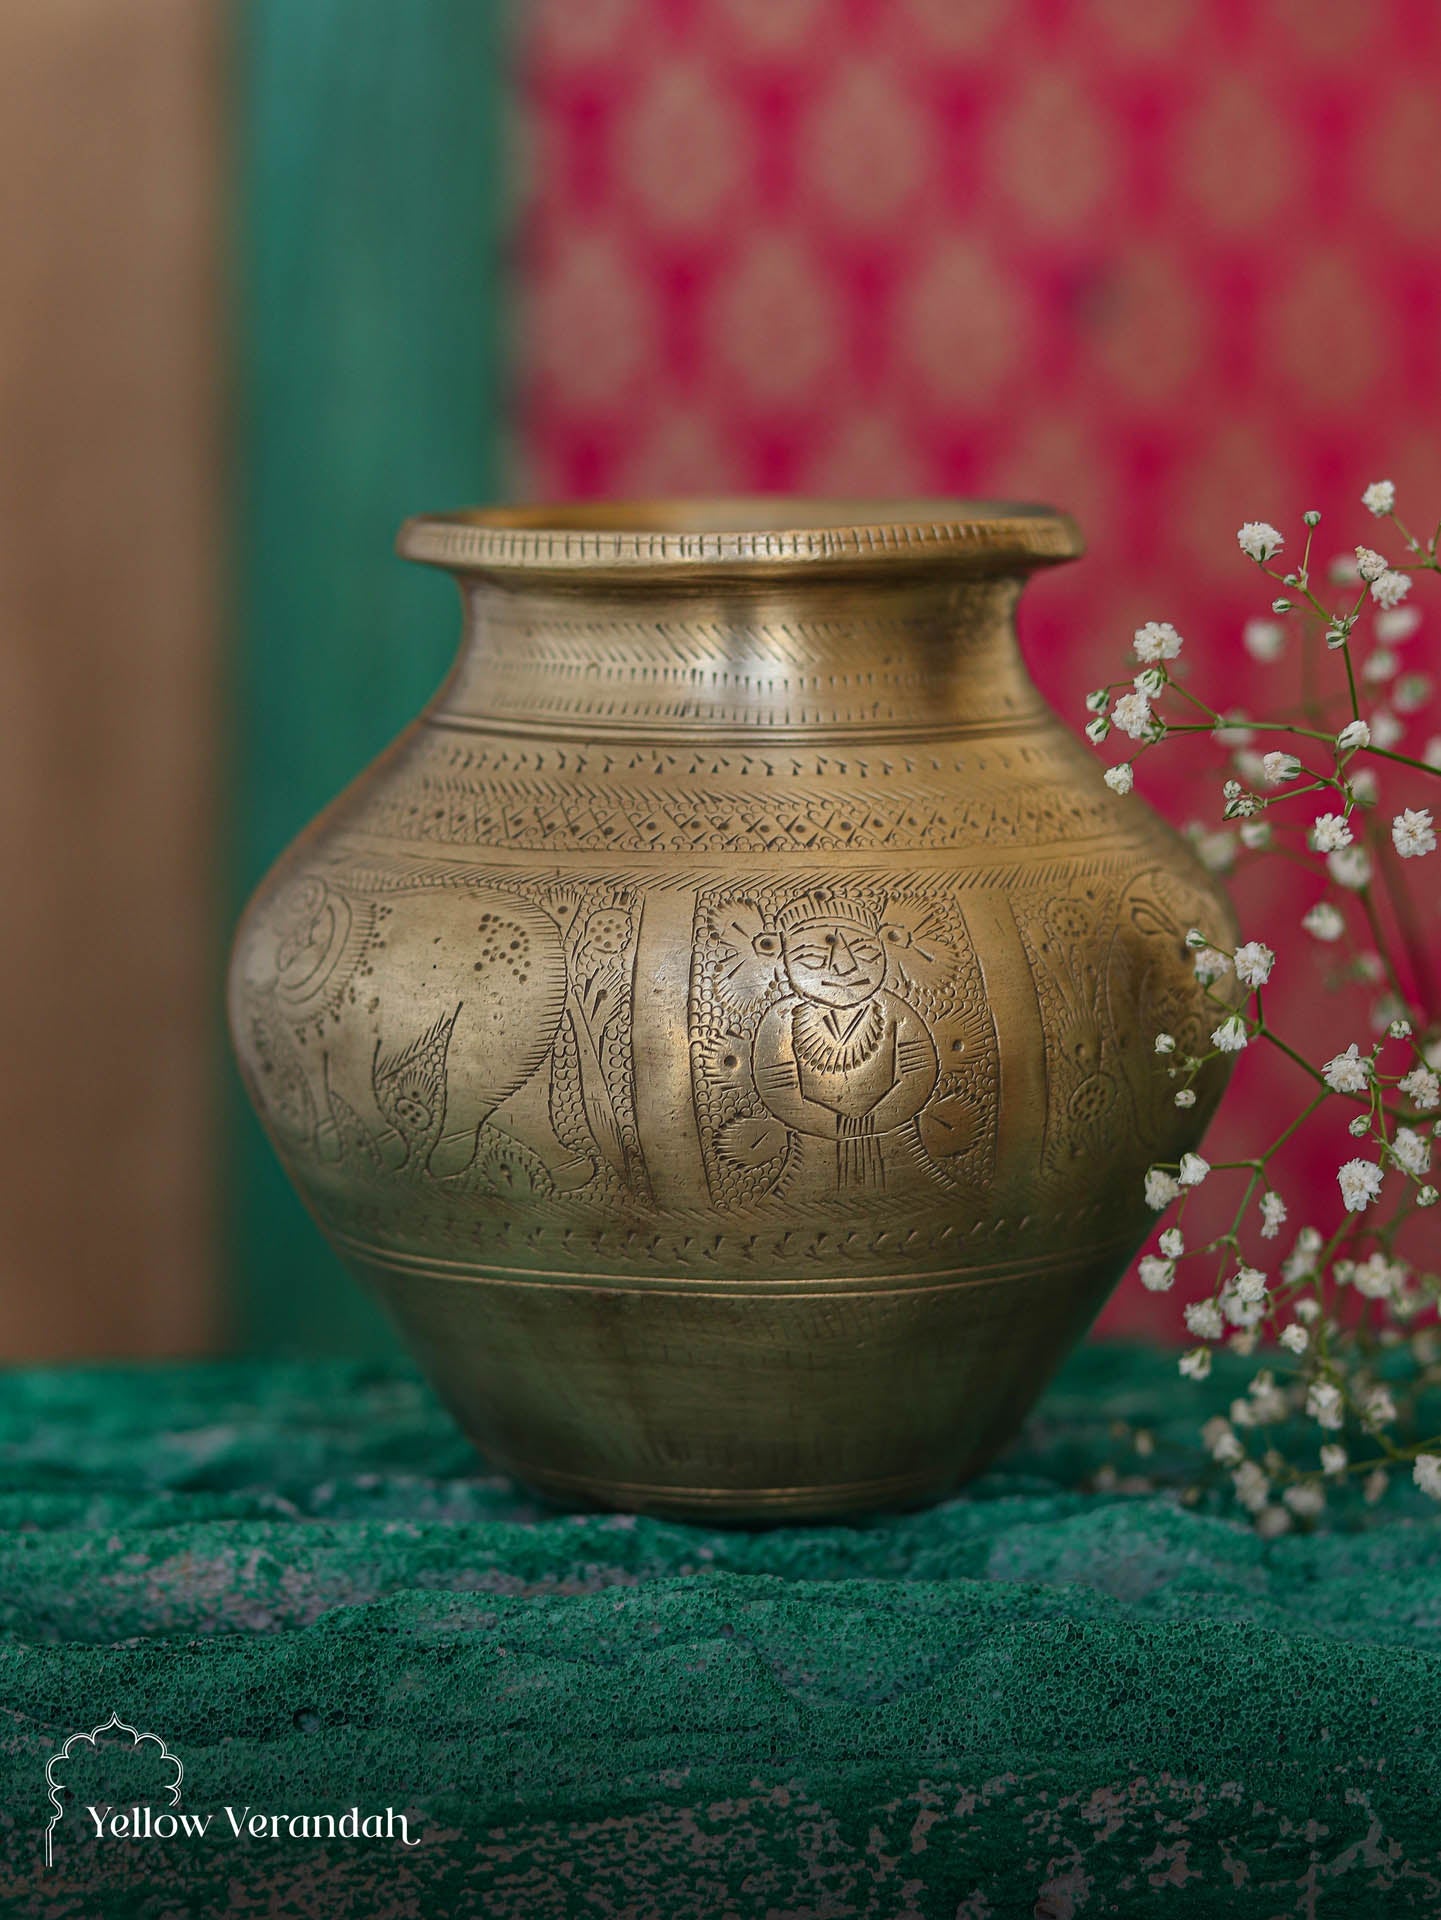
pixel 370 227
pixel 1034 1699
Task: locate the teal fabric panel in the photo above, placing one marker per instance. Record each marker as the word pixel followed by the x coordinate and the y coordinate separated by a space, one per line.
pixel 1036 1698
pixel 370 331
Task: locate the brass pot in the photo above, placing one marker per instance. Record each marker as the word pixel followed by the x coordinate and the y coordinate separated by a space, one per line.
pixel 721 1027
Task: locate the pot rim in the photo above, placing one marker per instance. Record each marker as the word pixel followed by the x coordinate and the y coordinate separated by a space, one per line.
pixel 745 535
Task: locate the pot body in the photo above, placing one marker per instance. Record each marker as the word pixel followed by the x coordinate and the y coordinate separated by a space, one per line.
pixel 721 1028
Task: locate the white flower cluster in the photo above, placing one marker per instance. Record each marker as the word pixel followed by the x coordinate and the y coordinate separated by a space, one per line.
pixel 1342 744
pixel 1259 540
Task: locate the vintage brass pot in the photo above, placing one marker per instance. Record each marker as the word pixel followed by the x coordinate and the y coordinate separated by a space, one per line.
pixel 721 1027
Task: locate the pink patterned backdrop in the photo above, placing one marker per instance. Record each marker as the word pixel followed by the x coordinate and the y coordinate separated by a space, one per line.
pixel 1171 264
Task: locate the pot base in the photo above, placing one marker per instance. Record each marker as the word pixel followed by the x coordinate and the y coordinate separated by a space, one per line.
pixel 742 1402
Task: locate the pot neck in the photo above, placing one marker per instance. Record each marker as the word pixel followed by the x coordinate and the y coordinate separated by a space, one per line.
pixel 815 659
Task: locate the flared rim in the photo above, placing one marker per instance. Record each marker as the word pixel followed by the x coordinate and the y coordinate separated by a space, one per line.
pixel 763 533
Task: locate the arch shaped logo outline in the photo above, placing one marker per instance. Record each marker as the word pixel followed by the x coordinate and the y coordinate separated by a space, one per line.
pixel 136 1738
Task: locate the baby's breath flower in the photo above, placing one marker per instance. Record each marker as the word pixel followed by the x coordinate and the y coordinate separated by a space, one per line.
pixel 1370 565
pixel 1355 734
pixel 1390 588
pixel 1186 1097
pixel 1378 1407
pixel 1259 540
pixel 1221 1443
pixel 1379 498
pixel 1157 1275
pixel 1323 1404
pixel 1383 1014
pixel 1411 692
pixel 1132 714
pixel 1307 1310
pixel 1400 1028
pixel 1193 1170
pixel 1374 1486
pixel 1272 1522
pixel 1254 962
pixel 1323 922
pixel 1098 701
pixel 1280 767
pixel 1421 1087
pixel 1097 729
pixel 1305 1499
pixel 1427 1196
pixel 1165 1043
pixel 1386 729
pixel 1410 1152
pixel 1256 834
pixel 1252 1486
pixel 1231 1036
pixel 1331 832
pixel 1348 1072
pixel 1210 965
pixel 1150 682
pixel 1361 785
pixel 1302 1258
pixel 1231 731
pixel 1431 753
pixel 1375 1277
pixel 1161 1188
pixel 1120 779
pixel 1295 1338
pixel 1350 868
pixel 1264 640
pixel 1334 1459
pixel 1426 1472
pixel 1157 640
pixel 1273 1214
pixel 1360 1182
pixel 1249 1285
pixel 1379 666
pixel 1359 1127
pixel 1203 1318
pixel 1216 852
pixel 1394 624
pixel 1196 1364
pixel 1412 833
pixel 1242 1313
pixel 1172 1243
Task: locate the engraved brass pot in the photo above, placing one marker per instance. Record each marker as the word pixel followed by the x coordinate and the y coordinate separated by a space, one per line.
pixel 720 1028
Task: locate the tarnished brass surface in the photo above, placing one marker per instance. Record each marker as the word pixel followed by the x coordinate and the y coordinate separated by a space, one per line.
pixel 721 1027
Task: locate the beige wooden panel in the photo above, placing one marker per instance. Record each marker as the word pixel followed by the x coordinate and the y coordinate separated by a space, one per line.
pixel 110 894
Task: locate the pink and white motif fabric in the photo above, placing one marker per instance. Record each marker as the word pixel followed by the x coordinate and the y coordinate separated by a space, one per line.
pixel 1170 264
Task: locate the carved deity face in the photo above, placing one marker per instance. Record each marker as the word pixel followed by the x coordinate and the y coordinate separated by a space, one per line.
pixel 838 963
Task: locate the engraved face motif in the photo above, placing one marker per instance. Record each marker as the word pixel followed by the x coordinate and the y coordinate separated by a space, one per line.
pixel 836 963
